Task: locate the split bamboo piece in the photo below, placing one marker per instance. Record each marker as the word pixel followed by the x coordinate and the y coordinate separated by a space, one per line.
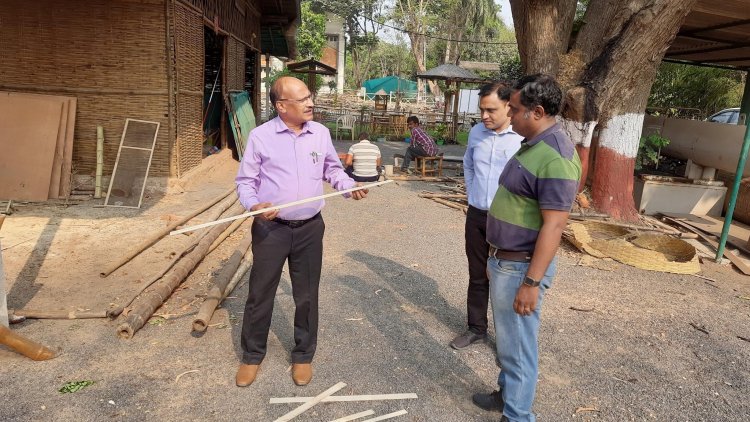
pixel 443 195
pixel 355 416
pixel 24 346
pixel 278 207
pixel 451 204
pixel 61 314
pixel 387 416
pixel 307 405
pixel 219 285
pixel 99 161
pixel 368 397
pixel 147 303
pixel 161 233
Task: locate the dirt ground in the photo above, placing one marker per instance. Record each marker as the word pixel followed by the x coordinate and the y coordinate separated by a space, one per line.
pixel 616 344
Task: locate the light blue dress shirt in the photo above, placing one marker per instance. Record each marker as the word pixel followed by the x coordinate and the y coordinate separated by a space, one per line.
pixel 484 160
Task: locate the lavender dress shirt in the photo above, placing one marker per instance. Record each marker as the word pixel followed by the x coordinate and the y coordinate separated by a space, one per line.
pixel 280 166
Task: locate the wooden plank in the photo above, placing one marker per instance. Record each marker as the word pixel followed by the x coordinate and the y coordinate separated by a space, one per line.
pixel 367 397
pixel 737 261
pixel 355 416
pixel 307 405
pixel 738 235
pixel 29 127
pixel 387 416
pixel 54 182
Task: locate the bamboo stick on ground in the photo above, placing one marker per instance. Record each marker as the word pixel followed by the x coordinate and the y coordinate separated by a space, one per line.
pixel 307 405
pixel 163 232
pixel 216 213
pixel 151 300
pixel 443 195
pixel 219 285
pixel 244 267
pixel 24 346
pixel 450 204
pixel 59 314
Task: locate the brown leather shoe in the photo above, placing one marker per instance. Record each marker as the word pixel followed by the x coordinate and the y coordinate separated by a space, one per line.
pixel 246 375
pixel 302 373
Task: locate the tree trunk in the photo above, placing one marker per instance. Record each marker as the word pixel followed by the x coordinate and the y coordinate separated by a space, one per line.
pixel 606 73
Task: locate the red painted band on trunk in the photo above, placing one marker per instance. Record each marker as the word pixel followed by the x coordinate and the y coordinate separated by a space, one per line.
pixel 612 187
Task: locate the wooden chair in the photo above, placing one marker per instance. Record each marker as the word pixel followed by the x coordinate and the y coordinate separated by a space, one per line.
pixel 346 122
pixel 429 166
pixel 398 125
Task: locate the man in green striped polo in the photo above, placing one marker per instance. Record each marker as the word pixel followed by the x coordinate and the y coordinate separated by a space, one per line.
pixel 524 226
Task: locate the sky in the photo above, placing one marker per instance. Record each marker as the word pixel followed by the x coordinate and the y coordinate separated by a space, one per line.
pixel 505 12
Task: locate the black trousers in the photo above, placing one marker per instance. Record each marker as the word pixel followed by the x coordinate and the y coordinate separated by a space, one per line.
pixel 477 250
pixel 274 243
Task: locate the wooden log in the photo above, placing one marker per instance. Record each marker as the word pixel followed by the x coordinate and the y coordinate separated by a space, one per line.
pixel 58 314
pixel 152 299
pixel 244 267
pixel 163 232
pixel 219 285
pixel 24 346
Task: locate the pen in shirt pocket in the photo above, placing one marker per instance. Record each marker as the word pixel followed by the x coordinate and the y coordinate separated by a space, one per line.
pixel 315 156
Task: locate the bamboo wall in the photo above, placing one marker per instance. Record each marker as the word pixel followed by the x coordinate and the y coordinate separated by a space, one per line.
pixel 111 55
pixel 238 17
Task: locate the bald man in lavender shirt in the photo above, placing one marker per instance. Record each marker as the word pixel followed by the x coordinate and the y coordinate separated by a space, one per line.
pixel 286 159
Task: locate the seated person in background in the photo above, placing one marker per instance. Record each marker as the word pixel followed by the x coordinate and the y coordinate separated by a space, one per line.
pixel 363 160
pixel 422 145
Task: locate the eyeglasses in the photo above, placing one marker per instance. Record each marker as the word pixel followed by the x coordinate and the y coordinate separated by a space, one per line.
pixel 300 101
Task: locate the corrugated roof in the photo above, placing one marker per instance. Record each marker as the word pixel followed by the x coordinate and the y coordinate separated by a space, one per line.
pixel 451 72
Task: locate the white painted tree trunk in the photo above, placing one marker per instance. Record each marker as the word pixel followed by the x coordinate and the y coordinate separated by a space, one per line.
pixel 579 133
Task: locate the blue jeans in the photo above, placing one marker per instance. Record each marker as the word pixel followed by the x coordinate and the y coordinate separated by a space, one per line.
pixel 516 336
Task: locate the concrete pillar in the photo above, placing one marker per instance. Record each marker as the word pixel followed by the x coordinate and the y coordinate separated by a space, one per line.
pixel 698 172
pixel 340 63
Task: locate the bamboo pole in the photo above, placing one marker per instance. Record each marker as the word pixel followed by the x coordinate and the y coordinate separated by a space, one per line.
pixel 277 207
pixel 145 306
pixel 442 195
pixel 219 285
pixel 161 233
pixel 450 204
pixel 99 161
pixel 244 267
pixel 58 314
pixel 24 346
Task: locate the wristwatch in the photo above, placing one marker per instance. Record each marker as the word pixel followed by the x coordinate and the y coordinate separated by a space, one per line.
pixel 528 281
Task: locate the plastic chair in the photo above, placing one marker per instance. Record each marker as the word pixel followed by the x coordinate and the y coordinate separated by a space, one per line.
pixel 345 122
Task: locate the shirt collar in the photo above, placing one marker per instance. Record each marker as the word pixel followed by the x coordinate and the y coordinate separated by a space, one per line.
pixel 507 130
pixel 364 141
pixel 538 138
pixel 282 127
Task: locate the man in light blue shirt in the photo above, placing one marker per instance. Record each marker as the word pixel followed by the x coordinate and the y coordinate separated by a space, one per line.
pixel 491 145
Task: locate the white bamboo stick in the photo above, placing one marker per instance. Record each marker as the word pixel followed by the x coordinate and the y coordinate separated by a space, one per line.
pixel 276 207
pixel 387 416
pixel 301 409
pixel 369 397
pixel 355 416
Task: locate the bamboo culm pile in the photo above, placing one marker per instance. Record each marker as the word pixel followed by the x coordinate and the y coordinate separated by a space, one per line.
pixel 143 308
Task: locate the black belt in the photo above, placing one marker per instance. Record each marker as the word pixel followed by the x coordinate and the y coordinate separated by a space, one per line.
pixel 295 223
pixel 520 256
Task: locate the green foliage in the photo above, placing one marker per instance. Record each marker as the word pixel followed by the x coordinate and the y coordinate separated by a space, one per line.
pixel 510 67
pixel 311 35
pixel 276 74
pixel 73 386
pixel 706 89
pixel 649 150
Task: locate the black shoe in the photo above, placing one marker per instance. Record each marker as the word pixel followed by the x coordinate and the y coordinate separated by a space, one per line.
pixel 466 339
pixel 492 402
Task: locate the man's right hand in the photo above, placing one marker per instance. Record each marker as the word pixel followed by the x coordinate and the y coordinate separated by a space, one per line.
pixel 268 215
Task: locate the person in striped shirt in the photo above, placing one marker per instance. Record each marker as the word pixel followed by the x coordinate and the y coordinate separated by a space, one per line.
pixel 524 225
pixel 422 145
pixel 363 160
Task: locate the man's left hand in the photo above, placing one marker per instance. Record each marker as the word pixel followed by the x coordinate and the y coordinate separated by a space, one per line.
pixel 360 194
pixel 525 302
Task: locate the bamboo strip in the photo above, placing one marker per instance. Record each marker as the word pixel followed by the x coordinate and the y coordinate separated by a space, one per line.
pixel 368 397
pixel 450 204
pixel 355 416
pixel 387 416
pixel 277 207
pixel 161 233
pixel 307 405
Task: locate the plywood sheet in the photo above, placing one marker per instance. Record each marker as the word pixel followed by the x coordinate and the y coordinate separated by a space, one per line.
pixel 67 165
pixel 54 183
pixel 28 138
